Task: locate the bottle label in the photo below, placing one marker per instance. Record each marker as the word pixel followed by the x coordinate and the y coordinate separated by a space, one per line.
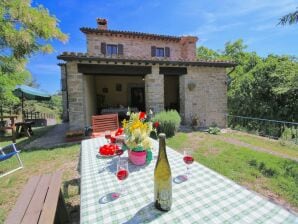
pixel 164 199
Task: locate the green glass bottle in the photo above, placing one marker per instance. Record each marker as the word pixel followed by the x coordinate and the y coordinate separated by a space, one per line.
pixel 162 178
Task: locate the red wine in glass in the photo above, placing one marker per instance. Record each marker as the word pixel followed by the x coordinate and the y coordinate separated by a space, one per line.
pixel 119 152
pixel 122 174
pixel 108 136
pixel 188 159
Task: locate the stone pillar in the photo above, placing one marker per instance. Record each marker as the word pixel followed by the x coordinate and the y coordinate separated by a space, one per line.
pixel 185 99
pixel 64 92
pixel 154 90
pixel 75 96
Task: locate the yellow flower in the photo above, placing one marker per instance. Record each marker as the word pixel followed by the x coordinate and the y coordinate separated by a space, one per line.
pixel 137 131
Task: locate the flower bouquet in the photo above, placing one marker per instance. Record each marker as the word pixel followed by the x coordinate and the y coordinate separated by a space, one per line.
pixel 137 131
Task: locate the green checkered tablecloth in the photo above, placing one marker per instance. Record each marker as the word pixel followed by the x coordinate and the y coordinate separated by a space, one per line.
pixel 207 197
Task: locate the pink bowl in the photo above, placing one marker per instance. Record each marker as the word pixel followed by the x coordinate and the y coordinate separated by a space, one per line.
pixel 137 158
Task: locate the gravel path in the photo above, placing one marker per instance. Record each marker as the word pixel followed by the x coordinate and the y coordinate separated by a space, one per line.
pixel 53 138
pixel 256 148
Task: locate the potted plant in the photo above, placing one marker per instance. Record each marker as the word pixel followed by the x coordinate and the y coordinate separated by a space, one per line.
pixel 137 131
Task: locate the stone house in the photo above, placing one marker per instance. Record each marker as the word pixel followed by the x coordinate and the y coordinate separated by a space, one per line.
pixel 143 71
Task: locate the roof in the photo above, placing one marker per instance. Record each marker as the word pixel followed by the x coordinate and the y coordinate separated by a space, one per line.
pixel 72 56
pixel 87 30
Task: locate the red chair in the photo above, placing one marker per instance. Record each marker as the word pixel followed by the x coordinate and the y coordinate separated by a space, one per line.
pixel 102 123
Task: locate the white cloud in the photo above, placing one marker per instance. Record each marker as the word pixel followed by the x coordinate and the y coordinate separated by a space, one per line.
pixel 213 28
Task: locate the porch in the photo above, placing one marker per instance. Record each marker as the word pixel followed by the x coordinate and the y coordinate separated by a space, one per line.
pixel 92 85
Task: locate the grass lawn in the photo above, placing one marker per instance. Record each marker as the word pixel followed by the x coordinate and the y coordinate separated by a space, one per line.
pixel 272 176
pixel 288 148
pixel 39 161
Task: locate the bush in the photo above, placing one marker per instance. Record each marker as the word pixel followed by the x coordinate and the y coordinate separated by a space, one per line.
pixel 213 130
pixel 169 122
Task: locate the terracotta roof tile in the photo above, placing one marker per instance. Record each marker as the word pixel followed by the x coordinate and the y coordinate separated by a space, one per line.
pixel 87 30
pixel 69 56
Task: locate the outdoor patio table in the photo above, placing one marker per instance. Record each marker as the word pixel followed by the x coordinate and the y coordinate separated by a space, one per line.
pixel 207 197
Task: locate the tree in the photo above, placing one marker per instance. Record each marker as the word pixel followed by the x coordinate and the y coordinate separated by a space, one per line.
pixel 207 54
pixel 22 26
pixel 261 87
pixel 290 18
pixel 24 30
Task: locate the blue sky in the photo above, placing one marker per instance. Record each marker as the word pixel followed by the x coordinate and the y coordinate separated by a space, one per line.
pixel 215 22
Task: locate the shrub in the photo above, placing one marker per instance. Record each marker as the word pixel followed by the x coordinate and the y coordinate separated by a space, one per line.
pixel 169 122
pixel 213 130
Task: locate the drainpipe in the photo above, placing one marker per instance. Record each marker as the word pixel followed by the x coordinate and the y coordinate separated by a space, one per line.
pixel 232 70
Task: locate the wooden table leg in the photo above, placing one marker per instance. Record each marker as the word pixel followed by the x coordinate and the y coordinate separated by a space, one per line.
pixel 17 131
pixel 61 212
pixel 13 130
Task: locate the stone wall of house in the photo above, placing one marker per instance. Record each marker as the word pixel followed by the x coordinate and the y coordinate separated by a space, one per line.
pixel 154 90
pixel 141 47
pixel 203 96
pixel 64 92
pixel 75 96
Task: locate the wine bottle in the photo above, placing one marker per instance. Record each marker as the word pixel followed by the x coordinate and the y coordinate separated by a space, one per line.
pixel 162 178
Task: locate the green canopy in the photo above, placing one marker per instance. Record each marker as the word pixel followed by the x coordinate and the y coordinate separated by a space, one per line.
pixel 29 93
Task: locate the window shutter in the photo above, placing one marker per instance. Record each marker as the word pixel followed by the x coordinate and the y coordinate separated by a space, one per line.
pixel 103 48
pixel 120 49
pixel 153 51
pixel 167 51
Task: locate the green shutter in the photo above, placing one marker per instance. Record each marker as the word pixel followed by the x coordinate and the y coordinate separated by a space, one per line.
pixel 120 49
pixel 103 48
pixel 167 51
pixel 153 51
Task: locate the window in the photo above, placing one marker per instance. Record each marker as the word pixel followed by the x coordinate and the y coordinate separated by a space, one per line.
pixel 160 52
pixel 112 49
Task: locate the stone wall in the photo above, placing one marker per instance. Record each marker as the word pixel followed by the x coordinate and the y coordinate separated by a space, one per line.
pixel 139 47
pixel 64 93
pixel 154 90
pixel 207 101
pixel 203 95
pixel 75 96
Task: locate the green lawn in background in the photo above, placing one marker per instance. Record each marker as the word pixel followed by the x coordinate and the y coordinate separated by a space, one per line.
pixel 289 148
pixel 259 171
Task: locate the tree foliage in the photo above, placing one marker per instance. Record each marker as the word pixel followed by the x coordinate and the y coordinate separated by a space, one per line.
pixel 262 87
pixel 290 18
pixel 24 30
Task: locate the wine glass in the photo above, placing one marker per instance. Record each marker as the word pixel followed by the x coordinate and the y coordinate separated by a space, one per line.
pixel 122 174
pixel 188 159
pixel 119 149
pixel 108 135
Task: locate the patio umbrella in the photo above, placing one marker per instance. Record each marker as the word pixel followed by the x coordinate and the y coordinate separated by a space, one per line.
pixel 29 93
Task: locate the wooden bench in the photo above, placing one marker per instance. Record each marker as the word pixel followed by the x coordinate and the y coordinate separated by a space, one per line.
pixel 101 123
pixel 41 201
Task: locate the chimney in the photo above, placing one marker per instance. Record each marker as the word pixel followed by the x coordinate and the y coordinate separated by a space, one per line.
pixel 102 24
